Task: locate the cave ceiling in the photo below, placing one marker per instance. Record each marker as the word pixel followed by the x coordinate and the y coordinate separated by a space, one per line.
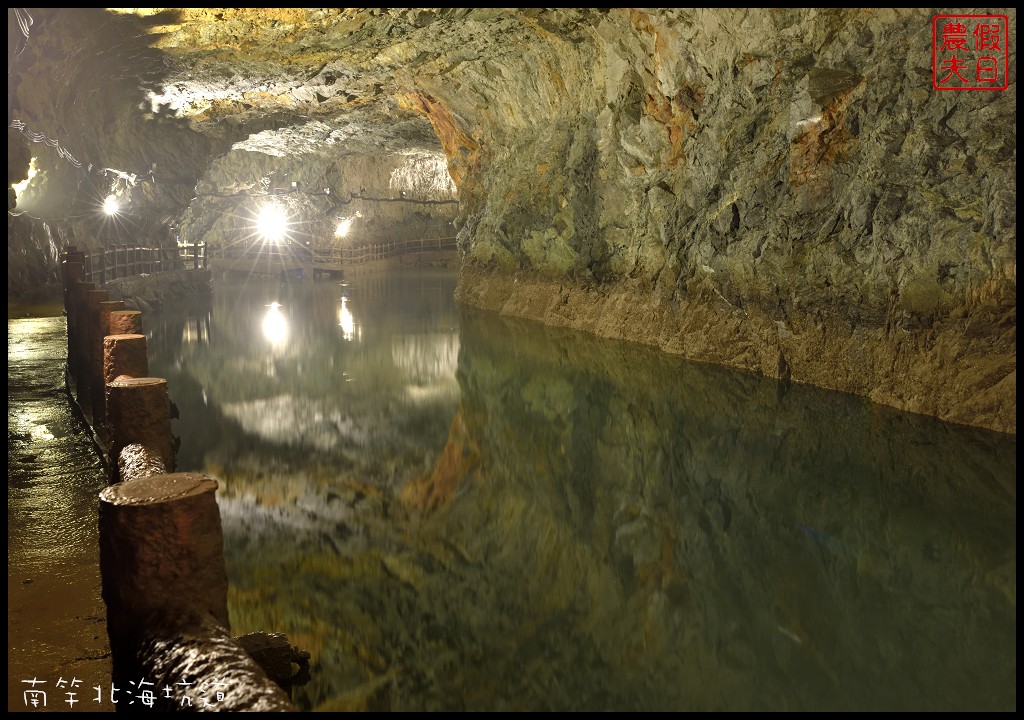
pixel 163 94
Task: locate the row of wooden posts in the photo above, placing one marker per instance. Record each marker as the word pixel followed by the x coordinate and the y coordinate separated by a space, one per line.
pixel 162 566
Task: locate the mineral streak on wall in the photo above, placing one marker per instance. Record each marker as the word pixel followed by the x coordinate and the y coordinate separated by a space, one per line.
pixel 778 190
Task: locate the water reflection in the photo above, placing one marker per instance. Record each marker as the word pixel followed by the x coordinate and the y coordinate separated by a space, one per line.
pixel 346 321
pixel 494 515
pixel 275 325
pixel 278 377
pixel 196 329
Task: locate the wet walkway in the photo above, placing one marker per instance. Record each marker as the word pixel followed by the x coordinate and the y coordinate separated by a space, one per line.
pixel 56 620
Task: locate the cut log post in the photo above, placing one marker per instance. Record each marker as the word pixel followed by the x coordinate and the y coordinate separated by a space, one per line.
pixel 73 272
pixel 165 586
pixel 126 322
pixel 139 412
pixel 108 308
pixel 124 355
pixel 77 317
pixel 163 548
pixel 99 412
pixel 94 366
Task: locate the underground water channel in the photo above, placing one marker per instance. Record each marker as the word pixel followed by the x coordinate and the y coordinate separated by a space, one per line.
pixel 454 510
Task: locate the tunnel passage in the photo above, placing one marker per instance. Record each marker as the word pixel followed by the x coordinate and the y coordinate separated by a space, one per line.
pixel 776 191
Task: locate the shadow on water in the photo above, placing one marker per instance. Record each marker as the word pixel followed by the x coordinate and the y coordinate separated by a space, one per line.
pixel 458 511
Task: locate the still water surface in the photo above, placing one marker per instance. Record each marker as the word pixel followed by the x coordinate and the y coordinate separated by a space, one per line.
pixel 457 511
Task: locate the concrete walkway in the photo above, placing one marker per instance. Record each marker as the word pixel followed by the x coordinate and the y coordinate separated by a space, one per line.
pixel 56 621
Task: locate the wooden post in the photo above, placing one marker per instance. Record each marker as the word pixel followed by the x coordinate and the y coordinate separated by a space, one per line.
pixel 165 587
pixel 126 322
pixel 79 293
pixel 124 355
pixel 93 375
pixel 73 270
pixel 106 307
pixel 164 535
pixel 139 412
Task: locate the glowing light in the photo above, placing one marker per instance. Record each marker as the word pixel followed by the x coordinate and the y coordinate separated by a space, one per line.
pixel 347 322
pixel 111 206
pixel 33 170
pixel 272 223
pixel 343 227
pixel 275 325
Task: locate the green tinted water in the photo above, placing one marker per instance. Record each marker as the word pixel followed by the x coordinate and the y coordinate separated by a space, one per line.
pixel 457 511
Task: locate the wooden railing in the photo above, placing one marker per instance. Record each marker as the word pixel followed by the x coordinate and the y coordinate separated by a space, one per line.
pixel 300 254
pixel 122 261
pixel 193 256
pixel 152 632
pixel 368 253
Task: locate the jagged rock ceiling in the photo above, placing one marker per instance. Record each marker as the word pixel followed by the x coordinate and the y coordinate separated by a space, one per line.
pixel 161 95
pixel 780 190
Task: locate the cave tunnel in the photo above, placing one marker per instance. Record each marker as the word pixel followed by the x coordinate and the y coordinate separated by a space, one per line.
pixel 544 359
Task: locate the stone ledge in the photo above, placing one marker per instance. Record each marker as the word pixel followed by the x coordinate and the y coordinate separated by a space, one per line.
pixel 940 371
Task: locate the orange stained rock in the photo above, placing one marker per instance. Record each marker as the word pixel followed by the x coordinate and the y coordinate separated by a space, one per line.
pixel 460 149
pixel 459 457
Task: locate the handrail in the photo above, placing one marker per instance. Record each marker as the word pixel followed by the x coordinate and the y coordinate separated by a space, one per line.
pixel 379 251
pixel 121 261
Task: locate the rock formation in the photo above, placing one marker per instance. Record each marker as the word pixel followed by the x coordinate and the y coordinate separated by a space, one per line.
pixel 776 190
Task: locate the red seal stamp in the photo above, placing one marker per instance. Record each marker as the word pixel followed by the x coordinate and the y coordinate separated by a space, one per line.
pixel 970 52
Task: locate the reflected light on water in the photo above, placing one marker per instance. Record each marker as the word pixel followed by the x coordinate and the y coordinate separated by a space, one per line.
pixel 429 362
pixel 196 330
pixel 275 325
pixel 530 503
pixel 346 322
pixel 426 358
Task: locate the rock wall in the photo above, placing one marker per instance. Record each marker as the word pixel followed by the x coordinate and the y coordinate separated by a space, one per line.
pixel 33 259
pixel 775 190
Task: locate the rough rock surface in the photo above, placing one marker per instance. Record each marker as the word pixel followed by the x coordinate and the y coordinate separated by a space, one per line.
pixel 778 190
